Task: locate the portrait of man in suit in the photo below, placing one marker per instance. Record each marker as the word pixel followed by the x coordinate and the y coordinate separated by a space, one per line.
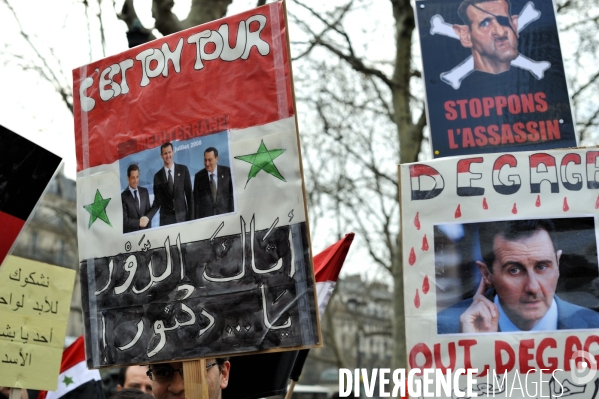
pixel 136 203
pixel 212 187
pixel 517 292
pixel 172 190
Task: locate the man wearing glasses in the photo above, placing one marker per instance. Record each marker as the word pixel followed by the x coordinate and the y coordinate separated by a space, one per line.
pixel 167 379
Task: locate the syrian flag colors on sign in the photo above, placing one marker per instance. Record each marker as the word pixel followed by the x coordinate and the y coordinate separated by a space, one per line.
pixel 75 379
pixel 25 171
pixel 281 366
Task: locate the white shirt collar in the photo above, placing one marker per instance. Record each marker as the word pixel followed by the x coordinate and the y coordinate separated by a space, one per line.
pixel 134 189
pixel 547 323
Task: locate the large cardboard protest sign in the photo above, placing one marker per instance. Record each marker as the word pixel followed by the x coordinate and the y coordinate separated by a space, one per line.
pixel 35 302
pixel 223 264
pixel 25 171
pixel 501 269
pixel 494 77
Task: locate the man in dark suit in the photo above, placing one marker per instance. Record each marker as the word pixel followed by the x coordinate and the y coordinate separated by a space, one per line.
pixel 521 265
pixel 172 190
pixel 212 187
pixel 136 203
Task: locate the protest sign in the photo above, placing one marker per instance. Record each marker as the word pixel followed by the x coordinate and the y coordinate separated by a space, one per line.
pixel 494 77
pixel 35 301
pixel 25 171
pixel 222 263
pixel 501 269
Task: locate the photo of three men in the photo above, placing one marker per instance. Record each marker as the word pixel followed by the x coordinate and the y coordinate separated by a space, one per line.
pixel 174 196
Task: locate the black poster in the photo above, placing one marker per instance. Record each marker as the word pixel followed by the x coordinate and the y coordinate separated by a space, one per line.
pixel 227 295
pixel 494 76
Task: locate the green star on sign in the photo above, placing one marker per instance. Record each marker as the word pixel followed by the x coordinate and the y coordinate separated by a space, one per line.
pixel 97 210
pixel 67 381
pixel 262 160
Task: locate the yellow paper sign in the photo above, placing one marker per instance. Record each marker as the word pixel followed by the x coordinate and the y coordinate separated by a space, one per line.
pixel 35 301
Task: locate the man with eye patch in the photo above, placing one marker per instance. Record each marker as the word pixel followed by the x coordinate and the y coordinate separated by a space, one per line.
pixel 521 268
pixel 491 32
pixel 168 379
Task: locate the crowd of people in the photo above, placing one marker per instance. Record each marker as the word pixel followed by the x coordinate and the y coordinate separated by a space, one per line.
pixel 156 381
pixel 166 380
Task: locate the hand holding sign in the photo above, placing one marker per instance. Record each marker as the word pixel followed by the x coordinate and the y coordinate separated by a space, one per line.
pixel 482 315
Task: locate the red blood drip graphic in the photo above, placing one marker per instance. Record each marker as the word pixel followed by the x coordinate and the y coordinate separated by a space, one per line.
pixel 417 222
pixel 485 205
pixel 458 212
pixel 417 300
pixel 566 207
pixel 425 285
pixel 424 243
pixel 538 202
pixel 514 209
pixel 412 258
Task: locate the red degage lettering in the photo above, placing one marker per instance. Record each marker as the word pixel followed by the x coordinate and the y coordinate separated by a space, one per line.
pixel 500 348
pixel 524 355
pixel 572 346
pixel 593 339
pixel 552 361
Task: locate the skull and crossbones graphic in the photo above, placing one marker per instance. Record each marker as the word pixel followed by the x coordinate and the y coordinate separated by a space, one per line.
pixel 455 76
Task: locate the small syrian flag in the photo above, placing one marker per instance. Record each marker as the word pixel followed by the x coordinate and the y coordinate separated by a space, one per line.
pixel 327 266
pixel 25 171
pixel 280 366
pixel 75 380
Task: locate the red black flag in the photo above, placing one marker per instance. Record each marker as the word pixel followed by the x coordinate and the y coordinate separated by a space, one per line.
pixel 25 171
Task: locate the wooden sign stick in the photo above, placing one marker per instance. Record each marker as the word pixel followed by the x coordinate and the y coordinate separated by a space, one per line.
pixel 290 390
pixel 195 379
pixel 15 393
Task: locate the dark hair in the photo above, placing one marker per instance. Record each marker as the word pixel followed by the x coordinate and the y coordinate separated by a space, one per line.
pixel 163 146
pixel 122 375
pixel 131 168
pixel 511 230
pixel 130 393
pixel 214 150
pixel 220 361
pixel 467 3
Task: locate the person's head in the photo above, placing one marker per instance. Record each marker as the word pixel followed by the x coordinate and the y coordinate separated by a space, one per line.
pixel 210 159
pixel 133 175
pixel 490 31
pixel 134 377
pixel 167 379
pixel 166 153
pixel 521 263
pixel 131 393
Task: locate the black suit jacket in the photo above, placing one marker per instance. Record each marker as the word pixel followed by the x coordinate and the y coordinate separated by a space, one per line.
pixel 131 215
pixel 175 208
pixel 202 193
